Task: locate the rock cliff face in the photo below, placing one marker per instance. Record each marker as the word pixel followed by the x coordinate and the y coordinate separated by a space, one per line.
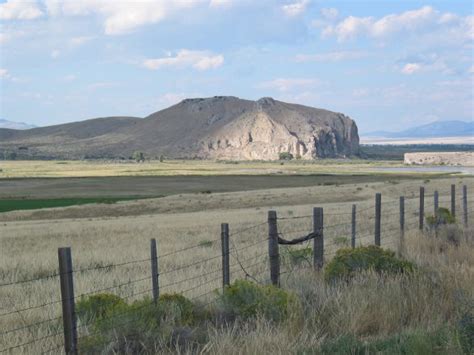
pixel 210 128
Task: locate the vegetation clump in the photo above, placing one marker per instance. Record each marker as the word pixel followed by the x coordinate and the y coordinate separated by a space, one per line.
pixel 246 300
pixel 442 217
pixel 98 306
pixel 348 262
pixel 285 156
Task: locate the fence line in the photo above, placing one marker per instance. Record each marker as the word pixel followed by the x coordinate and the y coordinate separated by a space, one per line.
pixel 387 231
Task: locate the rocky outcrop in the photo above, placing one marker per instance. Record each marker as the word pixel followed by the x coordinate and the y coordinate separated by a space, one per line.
pixel 211 128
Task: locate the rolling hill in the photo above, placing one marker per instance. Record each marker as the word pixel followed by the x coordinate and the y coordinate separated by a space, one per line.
pixel 220 127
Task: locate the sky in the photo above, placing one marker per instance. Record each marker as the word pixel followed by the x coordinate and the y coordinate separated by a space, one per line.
pixel 389 65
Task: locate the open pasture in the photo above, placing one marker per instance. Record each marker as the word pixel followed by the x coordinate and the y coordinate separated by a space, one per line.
pixel 102 236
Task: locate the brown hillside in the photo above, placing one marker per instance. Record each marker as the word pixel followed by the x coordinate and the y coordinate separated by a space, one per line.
pixel 210 128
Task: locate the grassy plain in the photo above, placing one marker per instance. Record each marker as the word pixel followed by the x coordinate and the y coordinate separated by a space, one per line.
pixel 102 235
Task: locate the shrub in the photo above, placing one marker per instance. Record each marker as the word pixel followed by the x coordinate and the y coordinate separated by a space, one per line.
pixel 139 157
pixel 248 300
pixel 176 309
pixel 98 306
pixel 347 262
pixel 298 256
pixel 285 156
pixel 442 217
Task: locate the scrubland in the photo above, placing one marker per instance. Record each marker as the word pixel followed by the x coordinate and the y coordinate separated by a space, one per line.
pixel 110 248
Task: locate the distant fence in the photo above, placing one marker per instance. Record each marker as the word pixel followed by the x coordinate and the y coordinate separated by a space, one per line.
pixel 66 327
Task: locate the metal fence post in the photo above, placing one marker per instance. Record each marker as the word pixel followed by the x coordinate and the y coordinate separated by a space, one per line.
pixel 422 208
pixel 154 271
pixel 353 226
pixel 318 242
pixel 225 255
pixel 273 249
pixel 464 205
pixel 378 218
pixel 402 225
pixel 453 200
pixel 68 303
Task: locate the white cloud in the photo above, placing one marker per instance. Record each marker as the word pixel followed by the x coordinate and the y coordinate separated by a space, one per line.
pixel 296 8
pixel 287 84
pixel 331 56
pixel 55 53
pixel 20 10
pixel 425 18
pixel 120 16
pixel 4 73
pixel 79 41
pixel 411 68
pixel 329 13
pixel 200 60
pixel 220 3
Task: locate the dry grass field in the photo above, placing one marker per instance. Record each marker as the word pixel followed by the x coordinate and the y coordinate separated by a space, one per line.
pixel 76 168
pixel 102 236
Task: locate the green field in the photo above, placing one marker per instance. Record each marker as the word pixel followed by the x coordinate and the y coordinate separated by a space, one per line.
pixel 7 205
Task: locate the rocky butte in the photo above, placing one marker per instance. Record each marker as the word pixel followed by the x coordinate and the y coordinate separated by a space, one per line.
pixel 220 127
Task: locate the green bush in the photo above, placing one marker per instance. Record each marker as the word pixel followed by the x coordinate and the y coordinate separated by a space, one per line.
pixel 285 156
pixel 347 262
pixel 297 256
pixel 176 309
pixel 248 300
pixel 443 217
pixel 98 306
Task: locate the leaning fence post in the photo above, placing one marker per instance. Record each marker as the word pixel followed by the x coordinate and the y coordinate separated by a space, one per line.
pixel 421 214
pixel 353 226
pixel 154 271
pixel 67 297
pixel 225 255
pixel 464 204
pixel 453 200
pixel 402 225
pixel 318 241
pixel 378 217
pixel 273 250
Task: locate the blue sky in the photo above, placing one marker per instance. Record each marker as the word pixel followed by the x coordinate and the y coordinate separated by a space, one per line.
pixel 387 64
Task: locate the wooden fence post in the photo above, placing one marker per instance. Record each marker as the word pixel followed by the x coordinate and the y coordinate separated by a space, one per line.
pixel 225 255
pixel 422 208
pixel 436 203
pixel 353 226
pixel 273 249
pixel 378 217
pixel 453 200
pixel 318 242
pixel 68 302
pixel 464 204
pixel 402 225
pixel 154 271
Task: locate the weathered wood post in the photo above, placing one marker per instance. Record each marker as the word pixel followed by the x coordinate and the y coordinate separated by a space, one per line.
pixel 422 208
pixel 402 226
pixel 68 302
pixel 453 200
pixel 273 250
pixel 225 255
pixel 464 205
pixel 155 286
pixel 436 203
pixel 353 226
pixel 318 242
pixel 378 218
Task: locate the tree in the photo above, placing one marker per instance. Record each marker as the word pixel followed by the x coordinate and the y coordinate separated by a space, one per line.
pixel 139 157
pixel 285 156
pixel 162 158
pixel 9 155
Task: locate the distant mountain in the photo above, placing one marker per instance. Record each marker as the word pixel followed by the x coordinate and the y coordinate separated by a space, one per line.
pixel 220 127
pixel 15 125
pixel 430 130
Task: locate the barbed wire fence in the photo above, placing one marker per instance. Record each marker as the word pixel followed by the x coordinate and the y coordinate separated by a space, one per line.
pixel 293 242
